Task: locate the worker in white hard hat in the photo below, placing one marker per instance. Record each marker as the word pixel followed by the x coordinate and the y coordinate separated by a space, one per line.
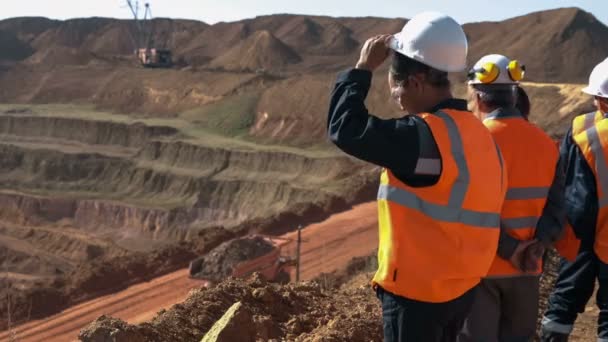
pixel 586 191
pixel 532 217
pixel 442 186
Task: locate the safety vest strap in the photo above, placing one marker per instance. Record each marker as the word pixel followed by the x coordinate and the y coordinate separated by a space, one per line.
pixel 429 160
pixel 519 222
pixel 583 122
pixel 436 211
pixel 527 193
pixel 600 163
pixel 589 121
pixel 461 186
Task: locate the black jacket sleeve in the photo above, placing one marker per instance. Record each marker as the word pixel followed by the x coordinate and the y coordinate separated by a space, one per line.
pixel 392 144
pixel 552 221
pixel 581 199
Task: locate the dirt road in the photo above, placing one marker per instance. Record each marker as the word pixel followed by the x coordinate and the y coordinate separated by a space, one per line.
pixel 328 246
pixel 136 304
pixel 331 244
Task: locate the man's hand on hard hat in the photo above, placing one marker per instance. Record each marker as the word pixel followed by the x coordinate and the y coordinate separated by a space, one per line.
pixel 519 258
pixel 374 52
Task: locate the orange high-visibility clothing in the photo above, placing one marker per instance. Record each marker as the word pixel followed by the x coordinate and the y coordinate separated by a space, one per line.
pixel 530 175
pixel 590 133
pixel 437 242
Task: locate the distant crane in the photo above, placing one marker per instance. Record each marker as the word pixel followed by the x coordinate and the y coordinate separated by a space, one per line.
pixel 147 54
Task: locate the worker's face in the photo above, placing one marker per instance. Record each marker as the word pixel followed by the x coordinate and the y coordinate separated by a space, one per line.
pixel 397 91
pixel 405 93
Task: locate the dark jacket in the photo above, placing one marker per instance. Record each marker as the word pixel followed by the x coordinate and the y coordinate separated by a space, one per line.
pixel 580 191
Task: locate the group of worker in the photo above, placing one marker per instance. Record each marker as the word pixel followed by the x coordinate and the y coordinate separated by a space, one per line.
pixel 472 194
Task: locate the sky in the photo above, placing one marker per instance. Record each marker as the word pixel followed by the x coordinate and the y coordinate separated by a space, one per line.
pixel 212 11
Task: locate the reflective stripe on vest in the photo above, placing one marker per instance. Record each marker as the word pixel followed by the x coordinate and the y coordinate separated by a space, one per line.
pixel 526 193
pixel 436 211
pixel 429 161
pixel 585 121
pixel 453 211
pixel 600 164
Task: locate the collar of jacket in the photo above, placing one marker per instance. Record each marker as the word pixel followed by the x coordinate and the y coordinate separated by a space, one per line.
pixel 456 104
pixel 502 113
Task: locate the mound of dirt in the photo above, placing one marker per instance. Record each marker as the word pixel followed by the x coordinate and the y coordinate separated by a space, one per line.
pixel 261 50
pixel 13 49
pixel 205 45
pixel 303 312
pixel 71 33
pixel 312 38
pixel 561 45
pixel 219 263
pixel 301 33
pixel 28 28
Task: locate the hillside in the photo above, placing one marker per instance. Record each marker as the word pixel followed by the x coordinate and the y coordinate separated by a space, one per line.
pixel 260 51
pixel 560 45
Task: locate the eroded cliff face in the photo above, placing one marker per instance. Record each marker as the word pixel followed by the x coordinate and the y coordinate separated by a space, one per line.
pixel 155 187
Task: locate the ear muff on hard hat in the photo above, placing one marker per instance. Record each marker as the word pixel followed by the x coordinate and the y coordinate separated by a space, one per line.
pixel 488 73
pixel 516 70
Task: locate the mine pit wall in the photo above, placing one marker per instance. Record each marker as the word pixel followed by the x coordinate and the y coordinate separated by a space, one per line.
pixel 274 164
pixel 159 200
pixel 85 130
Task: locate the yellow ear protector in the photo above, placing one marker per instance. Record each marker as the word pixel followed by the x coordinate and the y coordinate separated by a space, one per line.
pixel 488 73
pixel 516 70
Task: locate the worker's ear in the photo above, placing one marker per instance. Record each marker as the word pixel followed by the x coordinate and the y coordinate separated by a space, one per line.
pixel 417 82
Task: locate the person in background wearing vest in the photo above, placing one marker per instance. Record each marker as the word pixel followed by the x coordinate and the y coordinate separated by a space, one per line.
pixel 532 217
pixel 442 185
pixel 586 149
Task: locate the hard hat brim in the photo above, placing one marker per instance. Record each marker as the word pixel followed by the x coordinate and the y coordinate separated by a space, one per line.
pixel 592 92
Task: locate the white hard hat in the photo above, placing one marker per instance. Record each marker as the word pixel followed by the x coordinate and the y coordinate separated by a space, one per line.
pixel 598 81
pixel 434 39
pixel 496 69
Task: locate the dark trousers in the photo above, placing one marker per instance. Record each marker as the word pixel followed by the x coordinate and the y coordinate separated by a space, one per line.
pixel 505 309
pixel 413 321
pixel 573 289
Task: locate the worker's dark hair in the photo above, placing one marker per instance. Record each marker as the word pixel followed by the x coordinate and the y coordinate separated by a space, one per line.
pixel 523 102
pixel 403 66
pixel 497 95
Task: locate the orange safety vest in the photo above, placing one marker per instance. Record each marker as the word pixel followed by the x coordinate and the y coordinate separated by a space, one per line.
pixel 437 242
pixel 530 175
pixel 590 133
